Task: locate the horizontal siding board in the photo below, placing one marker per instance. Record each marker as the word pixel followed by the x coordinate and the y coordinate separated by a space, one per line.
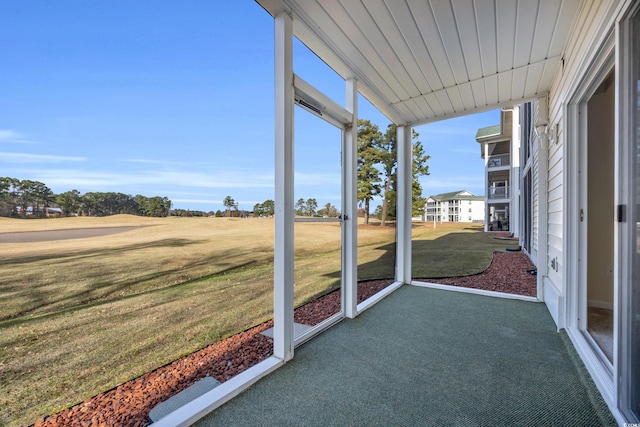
pixel 555 194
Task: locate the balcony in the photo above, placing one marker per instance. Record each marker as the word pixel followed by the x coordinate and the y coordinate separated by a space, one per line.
pixel 450 358
pixel 499 160
pixel 501 192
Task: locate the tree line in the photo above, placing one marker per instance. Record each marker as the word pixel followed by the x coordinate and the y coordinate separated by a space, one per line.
pixel 377 177
pixel 27 197
pixel 303 207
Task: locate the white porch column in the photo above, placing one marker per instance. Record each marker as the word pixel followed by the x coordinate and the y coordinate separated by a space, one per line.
pixel 350 204
pixel 284 209
pixel 514 196
pixel 487 211
pixel 403 214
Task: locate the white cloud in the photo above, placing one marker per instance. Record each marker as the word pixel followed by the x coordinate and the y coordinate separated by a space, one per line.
pixel 322 179
pixel 37 158
pixel 156 162
pixel 11 136
pixel 112 181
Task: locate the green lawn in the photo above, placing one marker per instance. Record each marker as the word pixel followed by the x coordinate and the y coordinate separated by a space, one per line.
pixel 80 316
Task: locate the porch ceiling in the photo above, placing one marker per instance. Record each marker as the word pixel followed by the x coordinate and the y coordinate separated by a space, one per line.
pixel 419 61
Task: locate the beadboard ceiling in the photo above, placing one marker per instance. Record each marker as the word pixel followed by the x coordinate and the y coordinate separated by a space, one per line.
pixel 420 61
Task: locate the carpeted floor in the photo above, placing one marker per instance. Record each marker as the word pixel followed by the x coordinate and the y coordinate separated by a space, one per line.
pixel 425 357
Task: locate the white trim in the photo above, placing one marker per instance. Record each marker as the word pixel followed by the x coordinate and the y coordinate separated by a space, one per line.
pixel 626 232
pixel 350 204
pixel 318 329
pixel 317 103
pixel 555 302
pixel 208 402
pixel 283 274
pixel 379 296
pixel 474 291
pixel 403 205
pixel 598 371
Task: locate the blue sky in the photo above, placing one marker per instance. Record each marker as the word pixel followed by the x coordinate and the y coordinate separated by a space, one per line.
pixel 175 99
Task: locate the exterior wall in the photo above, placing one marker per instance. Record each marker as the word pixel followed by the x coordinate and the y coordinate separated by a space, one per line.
pixel 589 33
pixel 591 51
pixel 477 211
pixel 467 211
pixel 535 202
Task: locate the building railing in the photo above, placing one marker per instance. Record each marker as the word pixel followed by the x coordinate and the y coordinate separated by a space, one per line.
pixel 499 160
pixel 498 192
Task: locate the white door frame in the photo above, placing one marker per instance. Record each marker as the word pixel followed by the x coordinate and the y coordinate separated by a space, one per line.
pixel 625 200
pixel 575 245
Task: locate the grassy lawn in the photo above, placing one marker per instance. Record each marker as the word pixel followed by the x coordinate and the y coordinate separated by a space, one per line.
pixel 452 249
pixel 80 316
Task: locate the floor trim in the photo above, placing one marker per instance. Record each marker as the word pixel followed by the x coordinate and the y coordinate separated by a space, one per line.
pixel 198 408
pixel 474 291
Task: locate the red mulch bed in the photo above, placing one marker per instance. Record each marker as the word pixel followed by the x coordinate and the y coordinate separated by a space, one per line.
pixel 129 404
pixel 508 273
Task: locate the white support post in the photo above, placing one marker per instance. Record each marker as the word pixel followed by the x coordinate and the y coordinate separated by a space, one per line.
pixel 350 204
pixel 487 210
pixel 284 209
pixel 515 175
pixel 403 224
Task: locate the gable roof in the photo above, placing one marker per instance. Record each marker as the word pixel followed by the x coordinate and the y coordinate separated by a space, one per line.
pixel 420 61
pixel 456 195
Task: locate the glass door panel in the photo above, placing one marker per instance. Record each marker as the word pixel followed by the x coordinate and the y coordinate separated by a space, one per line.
pixel 376 239
pixel 318 226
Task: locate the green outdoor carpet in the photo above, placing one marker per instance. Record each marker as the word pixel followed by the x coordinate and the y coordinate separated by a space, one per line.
pixel 426 357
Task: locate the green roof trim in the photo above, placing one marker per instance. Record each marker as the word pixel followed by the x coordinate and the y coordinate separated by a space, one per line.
pixel 489 131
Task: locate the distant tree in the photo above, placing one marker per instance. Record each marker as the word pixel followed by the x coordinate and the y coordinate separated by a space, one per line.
pixel 329 211
pixel 9 188
pixel 419 168
pixel 69 201
pixel 219 213
pixel 143 204
pixel 378 212
pixel 230 204
pixel 300 208
pixel 267 208
pixel 310 207
pixel 34 194
pixel 369 142
pixel 157 207
pixel 389 166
